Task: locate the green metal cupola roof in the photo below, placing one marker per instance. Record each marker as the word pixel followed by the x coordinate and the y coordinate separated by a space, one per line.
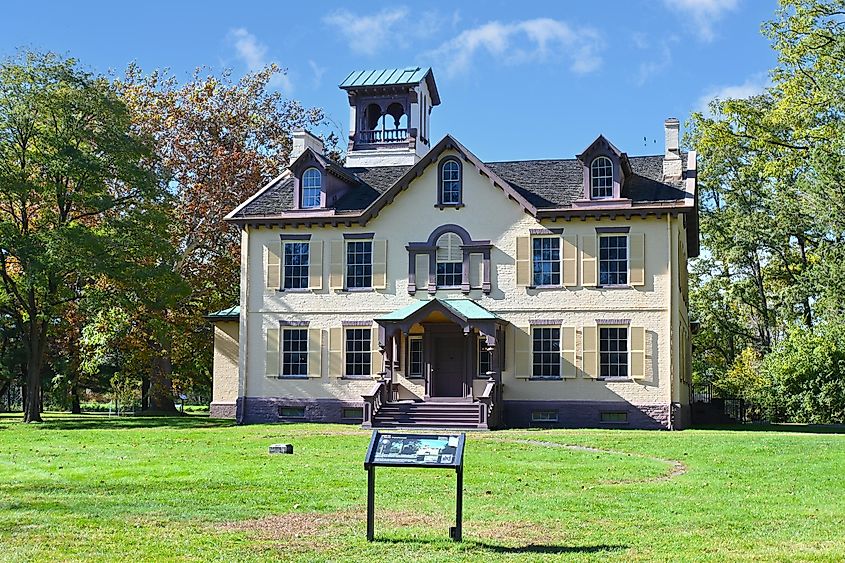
pixel 392 77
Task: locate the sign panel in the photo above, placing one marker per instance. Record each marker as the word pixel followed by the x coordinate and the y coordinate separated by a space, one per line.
pixel 415 450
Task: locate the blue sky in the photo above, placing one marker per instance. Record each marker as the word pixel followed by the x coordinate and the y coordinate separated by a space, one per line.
pixel 518 80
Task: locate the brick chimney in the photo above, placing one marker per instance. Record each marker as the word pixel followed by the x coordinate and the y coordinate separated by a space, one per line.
pixel 672 166
pixel 302 140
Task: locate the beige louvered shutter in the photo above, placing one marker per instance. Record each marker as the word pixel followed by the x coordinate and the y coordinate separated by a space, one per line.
pixel 315 352
pixel 523 261
pixel 588 260
pixel 476 271
pixel 590 352
pixel 376 357
pixel 336 352
pixel 315 265
pixel 522 352
pixel 637 352
pixel 273 265
pixel 637 262
pixel 421 271
pixel 379 264
pixel 567 352
pixel 271 359
pixel 570 261
pixel 338 250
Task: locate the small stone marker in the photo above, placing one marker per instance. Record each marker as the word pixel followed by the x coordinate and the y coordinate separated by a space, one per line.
pixel 281 449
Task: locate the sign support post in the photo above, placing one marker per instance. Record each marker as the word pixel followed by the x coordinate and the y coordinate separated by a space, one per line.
pixel 416 450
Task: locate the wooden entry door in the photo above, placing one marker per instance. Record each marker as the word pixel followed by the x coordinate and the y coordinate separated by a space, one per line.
pixel 448 365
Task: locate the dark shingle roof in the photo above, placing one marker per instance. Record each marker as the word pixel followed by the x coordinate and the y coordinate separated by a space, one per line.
pixel 544 183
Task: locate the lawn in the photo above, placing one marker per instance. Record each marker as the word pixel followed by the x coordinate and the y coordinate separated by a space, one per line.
pixel 190 488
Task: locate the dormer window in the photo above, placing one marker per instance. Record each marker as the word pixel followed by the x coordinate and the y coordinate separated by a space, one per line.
pixel 312 188
pixel 601 178
pixel 450 183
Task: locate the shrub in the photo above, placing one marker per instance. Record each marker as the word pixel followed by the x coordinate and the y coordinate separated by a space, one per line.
pixel 805 376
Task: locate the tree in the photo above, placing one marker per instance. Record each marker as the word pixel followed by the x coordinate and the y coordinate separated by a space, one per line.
pixel 73 176
pixel 218 140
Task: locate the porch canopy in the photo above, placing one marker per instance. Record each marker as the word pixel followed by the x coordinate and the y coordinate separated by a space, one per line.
pixel 465 313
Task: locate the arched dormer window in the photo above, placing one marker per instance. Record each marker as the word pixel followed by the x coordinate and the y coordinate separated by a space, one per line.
pixel 450 182
pixel 311 189
pixel 601 178
pixel 449 257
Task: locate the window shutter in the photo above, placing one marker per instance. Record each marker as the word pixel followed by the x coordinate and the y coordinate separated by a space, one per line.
pixel 337 260
pixel 336 352
pixel 315 265
pixel 379 264
pixel 421 273
pixel 522 354
pixel 315 352
pixel 272 357
pixel 376 357
pixel 523 261
pixel 637 352
pixel 590 353
pixel 567 352
pixel 273 265
pixel 570 261
pixel 476 279
pixel 636 242
pixel 588 260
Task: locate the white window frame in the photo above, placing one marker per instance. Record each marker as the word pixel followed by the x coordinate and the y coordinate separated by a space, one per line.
pixel 303 189
pixel 416 338
pixel 437 261
pixel 367 352
pixel 284 276
pixel 593 178
pixel 282 352
pixel 482 342
pixel 627 259
pixel 559 260
pixel 627 352
pixel 346 264
pixel 559 343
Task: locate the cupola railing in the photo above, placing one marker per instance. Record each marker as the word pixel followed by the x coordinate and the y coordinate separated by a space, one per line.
pixel 382 136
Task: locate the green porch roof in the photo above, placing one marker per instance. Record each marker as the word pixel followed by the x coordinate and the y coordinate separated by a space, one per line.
pixel 393 77
pixel 229 314
pixel 466 308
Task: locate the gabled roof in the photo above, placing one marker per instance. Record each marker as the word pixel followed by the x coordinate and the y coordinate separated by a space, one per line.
pixel 392 77
pixel 543 188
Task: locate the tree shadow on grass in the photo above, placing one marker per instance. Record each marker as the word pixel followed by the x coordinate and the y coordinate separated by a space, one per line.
pixel 105 422
pixel 772 427
pixel 507 549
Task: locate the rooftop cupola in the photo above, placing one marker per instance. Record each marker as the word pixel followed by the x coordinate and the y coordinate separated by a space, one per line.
pixel 389 114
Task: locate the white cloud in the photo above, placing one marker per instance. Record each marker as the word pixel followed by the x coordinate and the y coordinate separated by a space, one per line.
pixel 318 72
pixel 657 61
pixel 253 54
pixel 754 85
pixel 703 14
pixel 368 34
pixel 522 41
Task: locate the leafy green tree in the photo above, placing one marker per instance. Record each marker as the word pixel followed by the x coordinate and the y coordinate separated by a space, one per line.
pixel 76 184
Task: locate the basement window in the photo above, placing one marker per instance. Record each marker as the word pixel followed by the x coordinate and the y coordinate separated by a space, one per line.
pixel 292 412
pixel 543 416
pixel 613 417
pixel 353 413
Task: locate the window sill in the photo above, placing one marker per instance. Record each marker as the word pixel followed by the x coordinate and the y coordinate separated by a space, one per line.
pixel 615 379
pixel 442 206
pixel 614 286
pixel 291 377
pixel 358 378
pixel 549 378
pixel 541 287
pixel 357 290
pixel 294 290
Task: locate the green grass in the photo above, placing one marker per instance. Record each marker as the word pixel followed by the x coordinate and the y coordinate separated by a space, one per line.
pixel 189 488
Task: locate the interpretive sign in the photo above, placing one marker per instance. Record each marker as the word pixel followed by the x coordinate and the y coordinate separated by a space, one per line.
pixel 445 451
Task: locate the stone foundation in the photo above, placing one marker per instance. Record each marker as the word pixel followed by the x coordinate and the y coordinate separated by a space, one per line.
pixel 587 414
pixel 264 409
pixel 222 410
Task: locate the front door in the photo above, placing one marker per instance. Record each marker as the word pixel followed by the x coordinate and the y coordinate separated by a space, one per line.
pixel 448 366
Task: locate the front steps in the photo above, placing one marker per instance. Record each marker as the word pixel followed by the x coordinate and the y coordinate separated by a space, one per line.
pixel 428 415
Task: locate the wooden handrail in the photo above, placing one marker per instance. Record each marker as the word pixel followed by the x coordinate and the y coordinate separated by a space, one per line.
pixel 487 403
pixel 374 400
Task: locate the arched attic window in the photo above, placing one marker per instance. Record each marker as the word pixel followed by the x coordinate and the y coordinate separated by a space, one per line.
pixel 450 183
pixel 311 189
pixel 601 178
pixel 449 257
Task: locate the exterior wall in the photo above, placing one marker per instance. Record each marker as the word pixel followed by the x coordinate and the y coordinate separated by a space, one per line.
pixel 225 370
pixel 488 214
